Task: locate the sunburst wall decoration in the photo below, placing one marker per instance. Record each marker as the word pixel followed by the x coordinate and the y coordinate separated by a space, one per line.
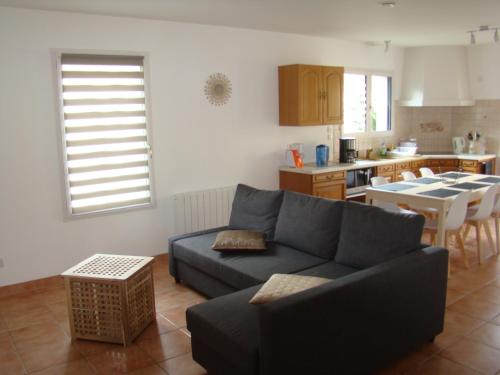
pixel 218 89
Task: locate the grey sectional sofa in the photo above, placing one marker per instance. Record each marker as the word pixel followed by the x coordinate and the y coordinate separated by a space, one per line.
pixel 387 294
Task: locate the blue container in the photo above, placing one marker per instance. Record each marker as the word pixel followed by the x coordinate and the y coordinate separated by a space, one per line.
pixel 322 155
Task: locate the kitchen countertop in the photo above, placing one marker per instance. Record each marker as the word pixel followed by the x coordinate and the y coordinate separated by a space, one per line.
pixel 311 168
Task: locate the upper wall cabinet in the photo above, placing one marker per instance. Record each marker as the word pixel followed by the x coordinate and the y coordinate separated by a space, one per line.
pixel 311 95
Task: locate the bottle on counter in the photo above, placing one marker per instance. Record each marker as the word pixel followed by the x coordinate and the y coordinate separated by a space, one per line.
pixel 297 158
pixel 383 149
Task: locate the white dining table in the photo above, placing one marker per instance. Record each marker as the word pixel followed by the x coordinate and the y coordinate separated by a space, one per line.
pixel 411 194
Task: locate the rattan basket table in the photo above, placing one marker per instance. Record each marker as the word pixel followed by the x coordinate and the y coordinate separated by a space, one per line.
pixel 110 297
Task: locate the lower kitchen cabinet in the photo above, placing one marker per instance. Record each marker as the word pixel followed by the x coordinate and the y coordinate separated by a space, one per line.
pixel 334 190
pixel 470 166
pixel 442 165
pixel 387 171
pixel 331 185
pixel 474 166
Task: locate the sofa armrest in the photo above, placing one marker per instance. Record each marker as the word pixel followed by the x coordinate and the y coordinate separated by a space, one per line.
pixel 171 240
pixel 358 323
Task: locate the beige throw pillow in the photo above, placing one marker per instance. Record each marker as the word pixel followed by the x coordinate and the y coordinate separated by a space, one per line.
pixel 239 240
pixel 281 285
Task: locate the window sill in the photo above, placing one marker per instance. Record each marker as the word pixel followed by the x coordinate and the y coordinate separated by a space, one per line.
pixel 370 134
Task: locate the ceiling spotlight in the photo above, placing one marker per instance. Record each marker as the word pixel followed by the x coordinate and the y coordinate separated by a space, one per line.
pixel 472 38
pixel 388 4
pixel 386 45
pixel 484 28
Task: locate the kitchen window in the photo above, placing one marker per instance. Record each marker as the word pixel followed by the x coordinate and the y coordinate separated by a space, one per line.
pixel 367 103
pixel 105 137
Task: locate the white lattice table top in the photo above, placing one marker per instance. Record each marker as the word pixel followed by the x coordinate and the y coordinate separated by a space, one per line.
pixel 108 266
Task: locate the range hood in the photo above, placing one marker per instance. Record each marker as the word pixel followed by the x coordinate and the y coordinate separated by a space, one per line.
pixel 435 77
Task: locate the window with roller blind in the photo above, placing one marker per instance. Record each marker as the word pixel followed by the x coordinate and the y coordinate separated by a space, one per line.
pixel 106 145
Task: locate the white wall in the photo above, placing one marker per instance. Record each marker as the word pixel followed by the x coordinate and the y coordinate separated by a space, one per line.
pixel 484 70
pixel 196 145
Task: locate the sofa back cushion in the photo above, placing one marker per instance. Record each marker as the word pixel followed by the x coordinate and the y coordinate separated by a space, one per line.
pixel 309 224
pixel 371 235
pixel 255 209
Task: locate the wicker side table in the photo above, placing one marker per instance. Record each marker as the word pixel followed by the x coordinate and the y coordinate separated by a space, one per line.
pixel 110 297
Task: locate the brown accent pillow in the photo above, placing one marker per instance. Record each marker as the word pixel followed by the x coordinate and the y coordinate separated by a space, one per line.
pixel 239 240
pixel 281 285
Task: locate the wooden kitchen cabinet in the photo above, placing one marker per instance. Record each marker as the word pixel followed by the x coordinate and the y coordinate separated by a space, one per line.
pixel 333 108
pixel 310 95
pixel 331 185
pixel 442 165
pixel 387 171
pixel 334 190
pixel 475 166
pixel 471 166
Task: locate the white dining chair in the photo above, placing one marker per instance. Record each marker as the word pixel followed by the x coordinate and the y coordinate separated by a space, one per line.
pixel 408 176
pixel 388 206
pixel 426 172
pixel 378 180
pixel 496 217
pixel 453 224
pixel 477 216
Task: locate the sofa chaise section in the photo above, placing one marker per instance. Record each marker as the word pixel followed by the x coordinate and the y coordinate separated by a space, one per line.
pixel 377 314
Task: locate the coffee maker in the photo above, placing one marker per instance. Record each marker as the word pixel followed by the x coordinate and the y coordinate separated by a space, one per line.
pixel 348 152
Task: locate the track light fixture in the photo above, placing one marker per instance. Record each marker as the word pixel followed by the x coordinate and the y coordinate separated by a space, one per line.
pixel 482 28
pixel 388 4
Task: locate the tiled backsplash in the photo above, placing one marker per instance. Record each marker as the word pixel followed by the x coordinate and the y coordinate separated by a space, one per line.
pixel 435 126
pixel 431 126
pixel 483 117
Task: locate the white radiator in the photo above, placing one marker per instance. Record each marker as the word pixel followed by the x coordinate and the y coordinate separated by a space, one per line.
pixel 205 209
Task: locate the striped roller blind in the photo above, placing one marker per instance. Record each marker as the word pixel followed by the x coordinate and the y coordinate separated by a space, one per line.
pixel 105 134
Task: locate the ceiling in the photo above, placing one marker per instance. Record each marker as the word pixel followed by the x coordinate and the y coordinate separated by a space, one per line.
pixel 409 23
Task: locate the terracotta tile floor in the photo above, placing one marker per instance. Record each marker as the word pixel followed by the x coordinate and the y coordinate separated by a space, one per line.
pixel 34 330
pixel 34 335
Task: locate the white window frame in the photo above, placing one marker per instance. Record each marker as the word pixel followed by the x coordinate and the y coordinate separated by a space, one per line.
pixel 56 55
pixel 368 131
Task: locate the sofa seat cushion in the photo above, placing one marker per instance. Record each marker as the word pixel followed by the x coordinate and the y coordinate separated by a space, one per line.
pixel 241 270
pixel 230 326
pixel 330 270
pixel 371 235
pixel 255 209
pixel 310 224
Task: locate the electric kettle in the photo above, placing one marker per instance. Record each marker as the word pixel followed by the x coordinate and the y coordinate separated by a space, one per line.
pixel 458 145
